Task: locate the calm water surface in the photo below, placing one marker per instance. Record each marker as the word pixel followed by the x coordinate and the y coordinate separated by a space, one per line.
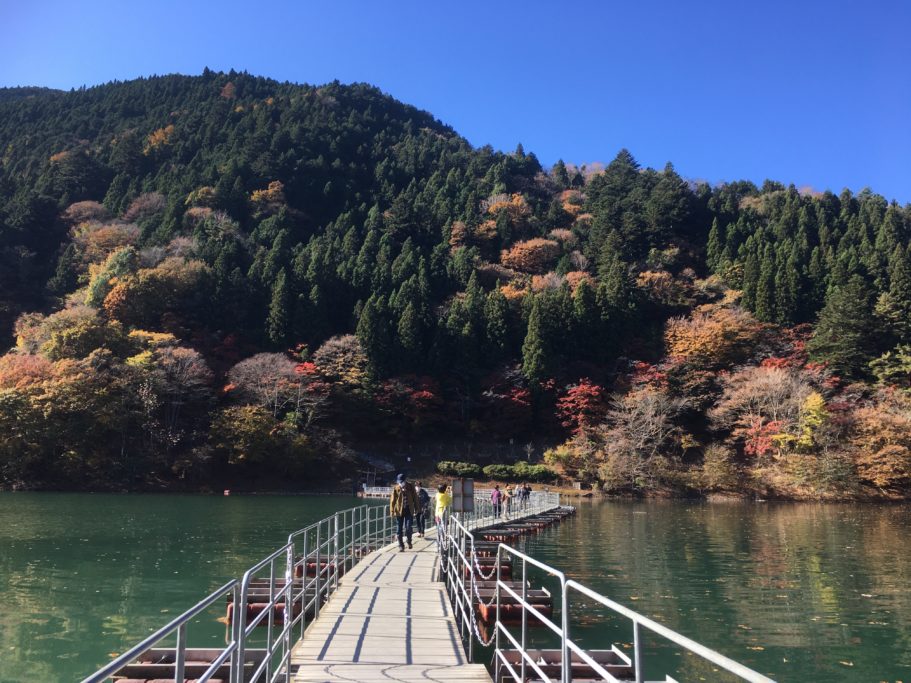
pixel 86 576
pixel 800 592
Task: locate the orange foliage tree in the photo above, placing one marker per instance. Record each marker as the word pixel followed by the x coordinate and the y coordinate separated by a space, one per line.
pixel 714 336
pixel 882 440
pixel 159 138
pixel 531 256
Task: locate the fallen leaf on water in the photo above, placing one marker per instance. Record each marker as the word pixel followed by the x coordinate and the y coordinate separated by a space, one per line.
pixel 846 663
pixel 744 627
pixel 756 647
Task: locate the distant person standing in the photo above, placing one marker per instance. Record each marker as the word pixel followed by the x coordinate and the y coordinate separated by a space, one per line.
pixel 403 505
pixel 496 499
pixel 508 496
pixel 444 500
pixel 423 508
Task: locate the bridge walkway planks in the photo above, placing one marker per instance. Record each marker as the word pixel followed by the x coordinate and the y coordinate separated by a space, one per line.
pixel 389 620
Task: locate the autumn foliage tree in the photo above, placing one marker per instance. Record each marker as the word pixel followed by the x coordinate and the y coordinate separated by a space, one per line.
pixel 759 403
pixel 882 441
pixel 583 406
pixel 712 337
pixel 531 256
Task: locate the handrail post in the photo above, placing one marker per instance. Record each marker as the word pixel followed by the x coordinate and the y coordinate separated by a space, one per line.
pixel 288 628
pixel 335 558
pixel 637 651
pixel 180 653
pixel 524 612
pixel 471 598
pixel 496 624
pixel 240 619
pixel 304 588
pixel 564 627
pixel 316 594
pixel 273 607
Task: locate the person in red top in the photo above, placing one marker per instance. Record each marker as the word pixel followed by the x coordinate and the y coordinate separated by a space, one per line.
pixel 496 497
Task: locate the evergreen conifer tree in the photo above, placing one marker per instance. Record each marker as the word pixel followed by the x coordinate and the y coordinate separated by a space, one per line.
pixel 894 306
pixel 278 322
pixel 714 247
pixel 765 287
pixel 846 333
pixel 536 359
pixel 496 325
pixel 559 174
pixel 374 335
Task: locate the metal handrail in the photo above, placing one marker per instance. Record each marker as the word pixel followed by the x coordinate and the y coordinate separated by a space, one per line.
pixel 568 646
pixel 178 626
pixel 460 556
pixel 333 543
pixel 336 539
pixel 243 630
pixel 639 620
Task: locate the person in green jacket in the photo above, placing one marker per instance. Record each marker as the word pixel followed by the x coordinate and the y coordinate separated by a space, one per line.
pixel 403 505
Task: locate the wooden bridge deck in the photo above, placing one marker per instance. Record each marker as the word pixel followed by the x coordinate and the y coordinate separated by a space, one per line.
pixel 389 620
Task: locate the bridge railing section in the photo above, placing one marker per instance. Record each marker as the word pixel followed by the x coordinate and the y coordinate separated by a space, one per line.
pixel 273 601
pixel 386 491
pixel 459 558
pixel 272 608
pixel 516 657
pixel 176 632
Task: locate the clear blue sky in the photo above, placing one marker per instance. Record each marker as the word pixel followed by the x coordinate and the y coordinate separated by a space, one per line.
pixel 817 93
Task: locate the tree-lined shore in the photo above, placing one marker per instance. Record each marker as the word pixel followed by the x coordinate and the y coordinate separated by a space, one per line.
pixel 228 278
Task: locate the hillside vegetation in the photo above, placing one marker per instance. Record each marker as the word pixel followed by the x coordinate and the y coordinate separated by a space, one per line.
pixel 226 277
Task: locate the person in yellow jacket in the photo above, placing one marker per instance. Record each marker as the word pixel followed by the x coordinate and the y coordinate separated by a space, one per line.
pixel 403 505
pixel 444 500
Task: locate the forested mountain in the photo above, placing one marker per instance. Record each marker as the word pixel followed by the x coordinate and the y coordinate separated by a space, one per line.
pixel 223 274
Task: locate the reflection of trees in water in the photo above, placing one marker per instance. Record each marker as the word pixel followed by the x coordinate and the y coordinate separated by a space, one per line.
pixel 762 583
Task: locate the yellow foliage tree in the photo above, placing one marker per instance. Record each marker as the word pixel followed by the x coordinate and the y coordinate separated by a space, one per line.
pixel 202 196
pixel 158 138
pixel 270 199
pixel 713 336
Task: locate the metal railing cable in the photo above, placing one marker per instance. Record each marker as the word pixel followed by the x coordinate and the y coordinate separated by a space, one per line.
pixel 459 558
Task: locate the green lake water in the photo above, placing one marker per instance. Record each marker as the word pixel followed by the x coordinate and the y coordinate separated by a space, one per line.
pixel 799 592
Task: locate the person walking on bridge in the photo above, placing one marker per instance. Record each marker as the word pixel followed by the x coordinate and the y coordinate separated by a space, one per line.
pixel 403 505
pixel 496 500
pixel 423 508
pixel 443 501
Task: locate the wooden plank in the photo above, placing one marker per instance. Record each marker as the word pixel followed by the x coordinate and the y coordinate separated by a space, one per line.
pixel 389 620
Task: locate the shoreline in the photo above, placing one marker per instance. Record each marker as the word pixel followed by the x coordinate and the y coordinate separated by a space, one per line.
pixel 575 495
